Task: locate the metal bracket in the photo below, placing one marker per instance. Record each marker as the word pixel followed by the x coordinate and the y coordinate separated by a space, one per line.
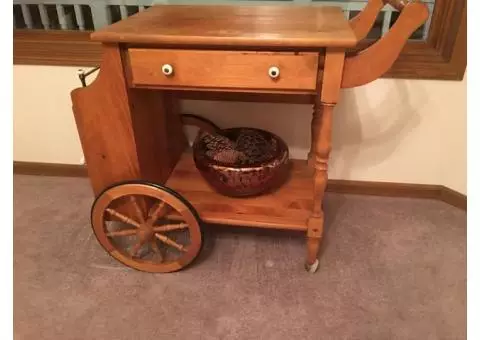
pixel 82 75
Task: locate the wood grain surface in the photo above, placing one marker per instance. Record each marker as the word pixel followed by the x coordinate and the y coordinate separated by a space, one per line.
pixel 234 25
pixel 287 208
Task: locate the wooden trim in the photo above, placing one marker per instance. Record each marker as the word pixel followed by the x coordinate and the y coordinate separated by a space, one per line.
pixel 407 190
pixel 443 56
pixel 49 169
pixel 453 197
pixel 383 189
pixel 387 189
pixel 61 48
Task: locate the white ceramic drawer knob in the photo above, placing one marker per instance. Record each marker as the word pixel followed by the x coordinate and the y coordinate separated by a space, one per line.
pixel 274 72
pixel 167 69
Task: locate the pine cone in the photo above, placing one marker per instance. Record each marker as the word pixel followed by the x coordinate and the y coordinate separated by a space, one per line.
pixel 254 145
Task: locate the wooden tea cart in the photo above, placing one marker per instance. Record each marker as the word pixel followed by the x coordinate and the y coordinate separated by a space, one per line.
pixel 138 159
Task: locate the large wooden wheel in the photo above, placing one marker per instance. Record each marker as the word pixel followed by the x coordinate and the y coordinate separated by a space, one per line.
pixel 147 226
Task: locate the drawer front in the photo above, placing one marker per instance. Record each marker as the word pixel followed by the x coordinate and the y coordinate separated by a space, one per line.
pixel 223 69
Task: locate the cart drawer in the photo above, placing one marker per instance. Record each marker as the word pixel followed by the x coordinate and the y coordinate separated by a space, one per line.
pixel 223 69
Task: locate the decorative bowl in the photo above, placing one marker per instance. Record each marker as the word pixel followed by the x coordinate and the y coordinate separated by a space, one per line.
pixel 240 162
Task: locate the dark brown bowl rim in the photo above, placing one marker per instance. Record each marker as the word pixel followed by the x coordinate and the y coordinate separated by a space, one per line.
pixel 280 155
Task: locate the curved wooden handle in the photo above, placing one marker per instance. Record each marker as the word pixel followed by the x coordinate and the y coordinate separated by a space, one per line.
pixel 362 23
pixel 377 59
pixel 399 5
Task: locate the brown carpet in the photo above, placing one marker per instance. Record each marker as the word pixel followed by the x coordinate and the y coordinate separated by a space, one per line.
pixel 390 269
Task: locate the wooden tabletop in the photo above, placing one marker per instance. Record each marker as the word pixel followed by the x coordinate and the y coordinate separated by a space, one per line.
pixel 233 25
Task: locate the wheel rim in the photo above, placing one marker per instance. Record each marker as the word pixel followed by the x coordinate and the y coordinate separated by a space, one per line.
pixel 147 227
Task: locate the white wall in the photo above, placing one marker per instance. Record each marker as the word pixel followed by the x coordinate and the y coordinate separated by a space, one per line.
pixel 44 129
pixel 408 131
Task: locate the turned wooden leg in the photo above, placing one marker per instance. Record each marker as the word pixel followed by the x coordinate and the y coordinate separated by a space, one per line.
pixel 331 78
pixel 315 125
pixel 322 149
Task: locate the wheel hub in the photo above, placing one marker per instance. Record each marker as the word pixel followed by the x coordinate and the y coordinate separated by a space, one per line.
pixel 145 233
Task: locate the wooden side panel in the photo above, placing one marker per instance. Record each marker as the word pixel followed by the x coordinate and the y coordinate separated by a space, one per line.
pixel 104 124
pixel 158 131
pixel 122 138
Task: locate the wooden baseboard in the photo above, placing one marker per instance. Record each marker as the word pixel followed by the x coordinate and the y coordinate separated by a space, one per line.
pixel 49 169
pixel 389 189
pixel 437 192
pixel 383 188
pixel 453 197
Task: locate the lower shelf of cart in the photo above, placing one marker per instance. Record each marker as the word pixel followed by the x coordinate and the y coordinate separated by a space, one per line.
pixel 286 208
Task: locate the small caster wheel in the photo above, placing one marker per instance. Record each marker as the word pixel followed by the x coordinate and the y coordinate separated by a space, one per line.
pixel 312 268
pixel 147 226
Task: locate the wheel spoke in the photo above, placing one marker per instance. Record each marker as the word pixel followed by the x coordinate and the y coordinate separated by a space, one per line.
pixel 170 242
pixel 137 209
pixel 159 211
pixel 170 227
pixel 122 217
pixel 126 232
pixel 136 248
pixel 156 249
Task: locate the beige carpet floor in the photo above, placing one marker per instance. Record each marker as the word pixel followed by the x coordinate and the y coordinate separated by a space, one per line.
pixel 390 268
